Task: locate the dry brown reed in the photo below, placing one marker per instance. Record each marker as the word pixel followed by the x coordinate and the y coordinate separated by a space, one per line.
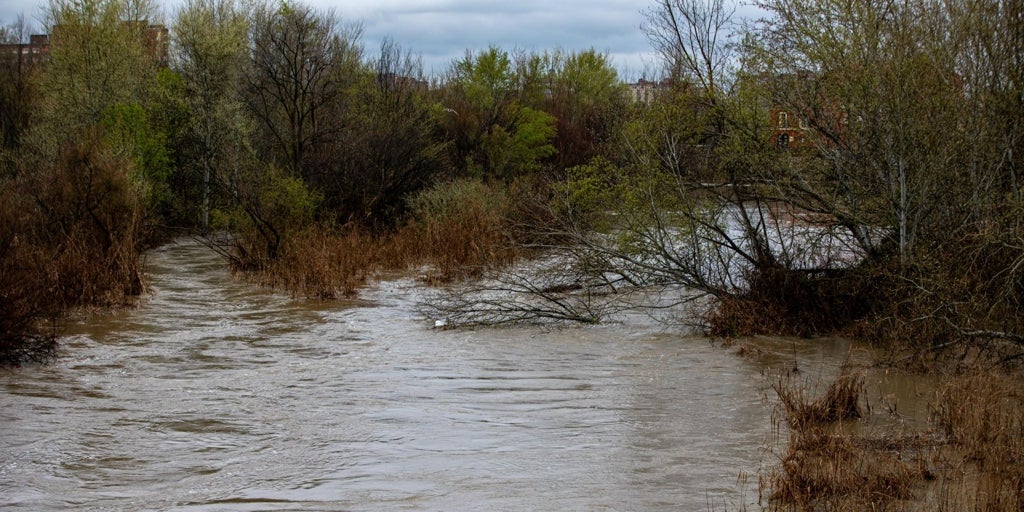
pixel 826 468
pixel 971 457
pixel 841 400
pixel 458 230
pixel 981 414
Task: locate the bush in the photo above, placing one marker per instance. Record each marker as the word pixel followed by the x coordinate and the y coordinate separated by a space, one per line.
pixel 70 235
pixel 791 302
pixel 26 302
pixel 272 208
pixel 462 227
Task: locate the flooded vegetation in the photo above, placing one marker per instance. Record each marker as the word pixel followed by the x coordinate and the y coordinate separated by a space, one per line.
pixel 520 283
pixel 217 395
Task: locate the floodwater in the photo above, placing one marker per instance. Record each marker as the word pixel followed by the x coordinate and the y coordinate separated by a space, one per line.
pixel 215 395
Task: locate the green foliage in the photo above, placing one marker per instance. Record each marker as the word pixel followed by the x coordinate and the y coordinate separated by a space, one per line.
pixel 101 61
pixel 271 207
pixel 288 201
pixel 487 79
pixel 522 150
pixel 129 132
pixel 277 200
pixel 601 196
pixel 496 134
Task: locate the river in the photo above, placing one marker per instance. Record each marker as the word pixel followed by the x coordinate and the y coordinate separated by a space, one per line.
pixel 215 395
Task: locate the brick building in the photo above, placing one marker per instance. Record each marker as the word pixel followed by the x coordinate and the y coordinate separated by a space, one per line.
pixel 155 39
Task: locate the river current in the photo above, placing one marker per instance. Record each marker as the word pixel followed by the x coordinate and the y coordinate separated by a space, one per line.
pixel 216 395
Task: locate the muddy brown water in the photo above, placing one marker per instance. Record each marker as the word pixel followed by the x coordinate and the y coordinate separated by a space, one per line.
pixel 215 395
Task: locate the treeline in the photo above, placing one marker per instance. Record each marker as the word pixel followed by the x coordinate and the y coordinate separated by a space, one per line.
pixel 270 122
pixel 311 161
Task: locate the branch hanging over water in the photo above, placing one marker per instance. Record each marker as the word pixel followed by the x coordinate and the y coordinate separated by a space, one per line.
pixel 548 292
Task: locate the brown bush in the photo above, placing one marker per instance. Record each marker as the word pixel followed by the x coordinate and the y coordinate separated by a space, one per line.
pixel 27 301
pixel 70 235
pixel 461 228
pixel 91 219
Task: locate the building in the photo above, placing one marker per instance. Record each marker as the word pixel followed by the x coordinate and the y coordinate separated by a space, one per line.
pixel 789 129
pixel 156 40
pixel 36 51
pixel 646 91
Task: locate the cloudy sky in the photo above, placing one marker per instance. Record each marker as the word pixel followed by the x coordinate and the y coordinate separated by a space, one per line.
pixel 442 30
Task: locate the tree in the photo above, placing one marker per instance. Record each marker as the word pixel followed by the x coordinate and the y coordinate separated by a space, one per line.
pixel 495 134
pixel 211 44
pixel 691 37
pixel 587 100
pixel 301 61
pixel 393 145
pixel 16 89
pixel 874 82
pixel 98 59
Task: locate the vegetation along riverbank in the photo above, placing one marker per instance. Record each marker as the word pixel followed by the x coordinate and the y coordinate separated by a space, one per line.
pixel 832 168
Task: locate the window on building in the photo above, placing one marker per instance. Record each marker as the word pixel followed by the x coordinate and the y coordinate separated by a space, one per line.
pixel 783 120
pixel 782 141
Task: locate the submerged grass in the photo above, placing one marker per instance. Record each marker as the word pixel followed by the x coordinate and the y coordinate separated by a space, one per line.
pixel 969 457
pixel 824 466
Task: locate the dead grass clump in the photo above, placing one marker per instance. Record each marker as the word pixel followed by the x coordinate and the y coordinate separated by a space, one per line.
pixel 980 415
pixel 832 471
pixel 841 400
pixel 458 230
pixel 826 468
pixel 732 317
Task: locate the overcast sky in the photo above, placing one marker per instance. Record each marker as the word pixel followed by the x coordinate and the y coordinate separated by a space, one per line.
pixel 442 30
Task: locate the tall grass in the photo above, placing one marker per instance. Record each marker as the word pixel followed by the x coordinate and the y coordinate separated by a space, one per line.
pixel 970 457
pixel 456 230
pixel 825 466
pixel 980 414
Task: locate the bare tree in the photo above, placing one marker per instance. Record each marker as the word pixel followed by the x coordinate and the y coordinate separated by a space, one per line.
pixel 692 37
pixel 296 76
